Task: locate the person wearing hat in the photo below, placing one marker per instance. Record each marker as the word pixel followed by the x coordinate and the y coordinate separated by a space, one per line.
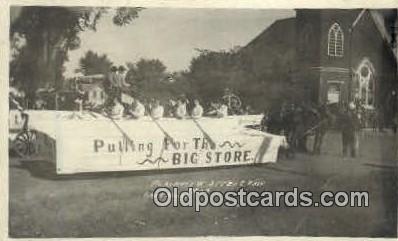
pixel 117 81
pixel 121 77
pixel 111 86
pixel 325 119
pixel 112 76
pixel 350 125
pixel 298 137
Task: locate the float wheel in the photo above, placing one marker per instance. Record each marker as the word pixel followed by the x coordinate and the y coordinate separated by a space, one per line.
pixel 25 143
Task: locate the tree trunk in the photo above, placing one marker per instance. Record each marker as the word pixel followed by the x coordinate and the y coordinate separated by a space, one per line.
pixel 47 62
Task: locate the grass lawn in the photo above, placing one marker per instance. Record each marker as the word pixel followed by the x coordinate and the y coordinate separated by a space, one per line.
pixel 43 204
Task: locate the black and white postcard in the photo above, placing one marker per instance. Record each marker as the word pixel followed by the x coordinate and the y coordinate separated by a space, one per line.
pixel 133 120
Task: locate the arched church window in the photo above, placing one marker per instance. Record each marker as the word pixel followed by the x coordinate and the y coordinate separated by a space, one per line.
pixel 364 84
pixel 336 41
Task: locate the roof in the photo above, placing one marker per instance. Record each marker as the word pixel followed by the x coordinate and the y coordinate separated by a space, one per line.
pixel 282 31
pixel 91 79
pixel 277 47
pixel 88 87
pixel 380 23
pixel 93 76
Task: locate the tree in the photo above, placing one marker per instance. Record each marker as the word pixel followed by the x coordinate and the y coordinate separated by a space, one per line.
pixel 93 63
pixel 50 32
pixel 260 87
pixel 213 71
pixel 146 70
pixel 147 77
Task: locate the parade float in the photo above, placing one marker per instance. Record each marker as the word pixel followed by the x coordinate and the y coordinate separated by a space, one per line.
pixel 92 142
pixel 87 141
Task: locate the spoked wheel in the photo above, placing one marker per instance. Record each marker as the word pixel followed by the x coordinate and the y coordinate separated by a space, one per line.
pixel 25 143
pixel 233 101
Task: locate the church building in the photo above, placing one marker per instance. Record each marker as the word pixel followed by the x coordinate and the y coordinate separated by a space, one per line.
pixel 345 54
pixel 334 55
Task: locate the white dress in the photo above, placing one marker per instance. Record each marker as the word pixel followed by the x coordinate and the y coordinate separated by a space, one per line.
pixel 181 111
pixel 157 112
pixel 117 111
pixel 139 110
pixel 197 111
pixel 222 111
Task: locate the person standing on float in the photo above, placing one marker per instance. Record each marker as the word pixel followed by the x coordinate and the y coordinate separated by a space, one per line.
pixel 111 86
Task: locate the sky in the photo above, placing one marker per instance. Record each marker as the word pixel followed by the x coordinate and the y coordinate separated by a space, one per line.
pixel 171 35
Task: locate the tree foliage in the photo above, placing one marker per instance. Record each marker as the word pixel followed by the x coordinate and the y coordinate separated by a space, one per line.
pixel 207 77
pixel 92 63
pixel 50 32
pixel 213 71
pixel 146 70
pixel 149 78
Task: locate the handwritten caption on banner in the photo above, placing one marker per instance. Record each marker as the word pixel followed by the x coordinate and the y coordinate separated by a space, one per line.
pixel 195 151
pixel 107 145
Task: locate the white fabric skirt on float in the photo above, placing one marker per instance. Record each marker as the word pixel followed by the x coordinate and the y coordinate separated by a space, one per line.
pixel 90 142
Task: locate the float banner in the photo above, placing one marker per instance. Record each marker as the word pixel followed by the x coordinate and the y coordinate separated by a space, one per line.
pixel 145 144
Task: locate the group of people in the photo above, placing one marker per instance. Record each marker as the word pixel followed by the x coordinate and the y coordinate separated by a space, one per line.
pixel 298 121
pixel 116 82
pixel 120 104
pixel 154 108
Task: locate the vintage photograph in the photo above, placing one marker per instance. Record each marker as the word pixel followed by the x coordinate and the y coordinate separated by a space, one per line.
pixel 190 122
